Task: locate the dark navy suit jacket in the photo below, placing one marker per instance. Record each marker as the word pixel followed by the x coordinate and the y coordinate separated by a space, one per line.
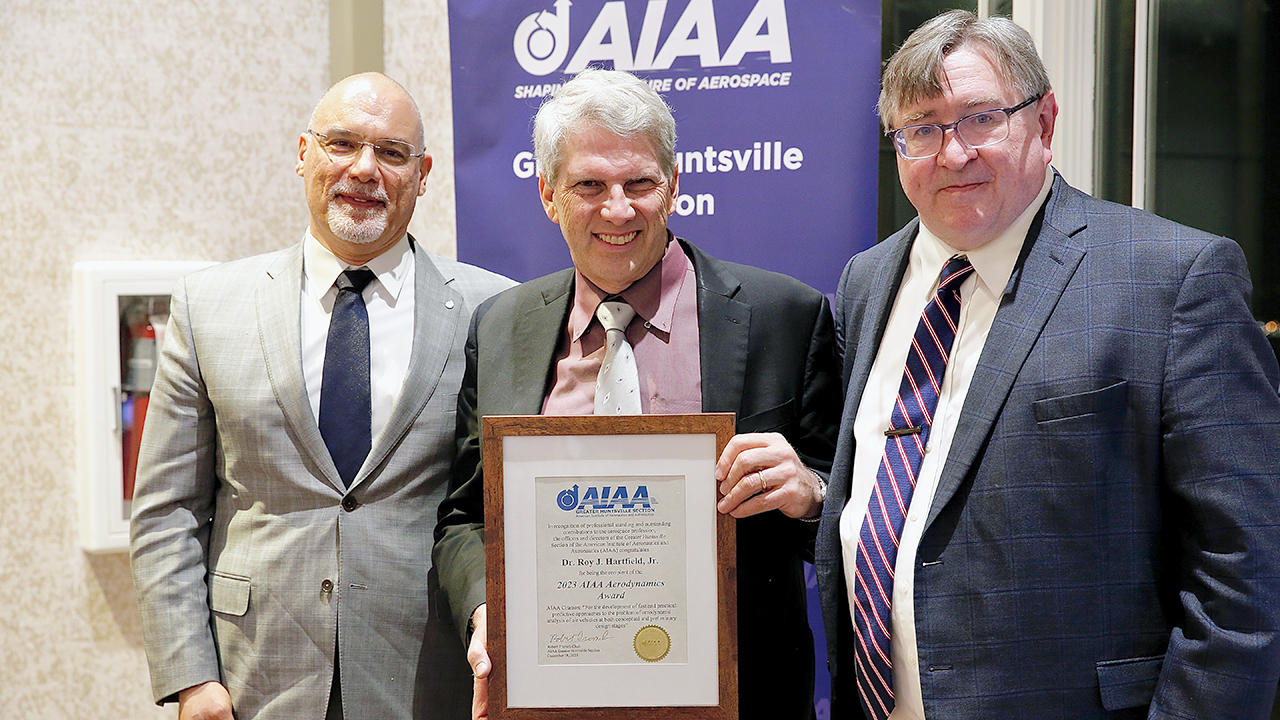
pixel 1104 540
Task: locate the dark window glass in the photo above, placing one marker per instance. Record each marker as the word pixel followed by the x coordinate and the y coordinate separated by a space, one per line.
pixel 1114 112
pixel 1215 162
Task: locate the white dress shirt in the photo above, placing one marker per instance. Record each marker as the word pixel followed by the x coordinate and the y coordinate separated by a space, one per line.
pixel 979 299
pixel 389 302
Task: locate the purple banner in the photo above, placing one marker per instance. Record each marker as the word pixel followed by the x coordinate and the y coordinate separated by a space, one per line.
pixel 774 105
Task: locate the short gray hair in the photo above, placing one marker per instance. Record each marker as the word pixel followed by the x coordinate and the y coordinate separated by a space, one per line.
pixel 914 72
pixel 612 100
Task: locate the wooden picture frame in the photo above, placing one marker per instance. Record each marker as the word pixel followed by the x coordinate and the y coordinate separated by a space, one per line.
pixel 683 665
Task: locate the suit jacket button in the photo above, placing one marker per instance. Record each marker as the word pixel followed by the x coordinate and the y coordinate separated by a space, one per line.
pixel 326 586
pixel 349 503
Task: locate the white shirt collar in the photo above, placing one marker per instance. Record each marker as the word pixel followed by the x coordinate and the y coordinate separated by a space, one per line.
pixel 993 262
pixel 322 267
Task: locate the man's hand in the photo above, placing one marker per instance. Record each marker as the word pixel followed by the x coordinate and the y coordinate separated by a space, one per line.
pixel 759 472
pixel 478 656
pixel 206 701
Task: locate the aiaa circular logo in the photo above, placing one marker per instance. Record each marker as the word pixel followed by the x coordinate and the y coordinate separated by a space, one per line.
pixel 542 40
pixel 568 499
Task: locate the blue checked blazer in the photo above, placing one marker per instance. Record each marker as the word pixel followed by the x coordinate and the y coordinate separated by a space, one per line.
pixel 1105 537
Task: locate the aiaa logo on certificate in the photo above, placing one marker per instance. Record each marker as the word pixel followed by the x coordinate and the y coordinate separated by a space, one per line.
pixel 617 499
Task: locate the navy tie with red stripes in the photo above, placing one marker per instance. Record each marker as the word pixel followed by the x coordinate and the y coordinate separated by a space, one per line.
pixel 886 513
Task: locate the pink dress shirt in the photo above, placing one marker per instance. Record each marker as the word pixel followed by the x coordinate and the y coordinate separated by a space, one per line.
pixel 664 335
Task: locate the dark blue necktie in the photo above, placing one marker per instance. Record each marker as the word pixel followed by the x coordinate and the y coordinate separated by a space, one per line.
pixel 886 514
pixel 344 389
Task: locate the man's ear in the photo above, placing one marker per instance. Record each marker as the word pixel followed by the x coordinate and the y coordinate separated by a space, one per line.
pixel 424 169
pixel 675 190
pixel 1047 116
pixel 547 192
pixel 302 153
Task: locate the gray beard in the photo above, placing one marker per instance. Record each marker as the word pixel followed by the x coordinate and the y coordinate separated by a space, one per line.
pixel 366 227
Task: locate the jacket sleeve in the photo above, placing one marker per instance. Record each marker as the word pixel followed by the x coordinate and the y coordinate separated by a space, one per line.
pixel 794 362
pixel 173 508
pixel 821 400
pixel 458 554
pixel 1221 464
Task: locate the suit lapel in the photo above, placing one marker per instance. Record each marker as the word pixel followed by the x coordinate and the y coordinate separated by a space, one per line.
pixel 724 326
pixel 536 337
pixel 437 318
pixel 279 332
pixel 872 295
pixel 1050 258
pixel 882 290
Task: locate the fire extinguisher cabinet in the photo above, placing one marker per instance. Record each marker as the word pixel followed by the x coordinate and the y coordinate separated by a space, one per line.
pixel 120 311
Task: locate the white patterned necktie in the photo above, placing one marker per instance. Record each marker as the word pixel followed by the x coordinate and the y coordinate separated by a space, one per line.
pixel 618 384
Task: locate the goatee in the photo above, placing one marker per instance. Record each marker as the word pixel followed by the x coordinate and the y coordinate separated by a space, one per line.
pixel 356 225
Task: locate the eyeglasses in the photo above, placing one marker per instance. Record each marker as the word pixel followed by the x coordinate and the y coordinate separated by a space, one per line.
pixel 979 130
pixel 346 146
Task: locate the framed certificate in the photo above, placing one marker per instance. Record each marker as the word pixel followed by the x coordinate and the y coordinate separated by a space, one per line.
pixel 610 574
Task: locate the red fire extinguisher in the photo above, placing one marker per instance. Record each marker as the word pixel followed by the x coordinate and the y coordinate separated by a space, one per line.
pixel 139 375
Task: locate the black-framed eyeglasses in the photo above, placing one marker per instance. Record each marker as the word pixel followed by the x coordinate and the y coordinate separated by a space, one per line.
pixel 979 130
pixel 341 145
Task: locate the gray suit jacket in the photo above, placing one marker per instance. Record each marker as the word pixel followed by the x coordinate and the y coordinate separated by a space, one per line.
pixel 767 354
pixel 249 557
pixel 1104 541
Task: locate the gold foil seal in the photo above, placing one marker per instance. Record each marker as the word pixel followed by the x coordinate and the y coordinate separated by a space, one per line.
pixel 652 643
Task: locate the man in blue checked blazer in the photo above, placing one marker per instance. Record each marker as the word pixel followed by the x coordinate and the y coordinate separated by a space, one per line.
pixel 1092 523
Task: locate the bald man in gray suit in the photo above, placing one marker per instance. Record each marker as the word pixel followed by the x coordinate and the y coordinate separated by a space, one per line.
pixel 275 578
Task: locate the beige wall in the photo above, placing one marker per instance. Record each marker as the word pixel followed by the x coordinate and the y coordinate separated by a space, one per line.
pixel 417 55
pixel 138 129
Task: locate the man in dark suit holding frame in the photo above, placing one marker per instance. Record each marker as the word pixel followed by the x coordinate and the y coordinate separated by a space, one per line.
pixel 707 335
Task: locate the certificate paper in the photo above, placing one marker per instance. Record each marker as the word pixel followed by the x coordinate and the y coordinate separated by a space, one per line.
pixel 612 570
pixel 609 571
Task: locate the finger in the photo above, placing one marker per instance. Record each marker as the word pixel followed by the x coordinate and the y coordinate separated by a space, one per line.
pixel 732 449
pixel 772 498
pixel 747 487
pixel 479 659
pixel 755 505
pixel 479 698
pixel 478 650
pixel 755 453
pixel 478 656
pixel 747 462
pixel 791 495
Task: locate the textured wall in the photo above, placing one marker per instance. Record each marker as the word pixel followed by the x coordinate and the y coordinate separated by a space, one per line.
pixel 139 130
pixel 417 55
